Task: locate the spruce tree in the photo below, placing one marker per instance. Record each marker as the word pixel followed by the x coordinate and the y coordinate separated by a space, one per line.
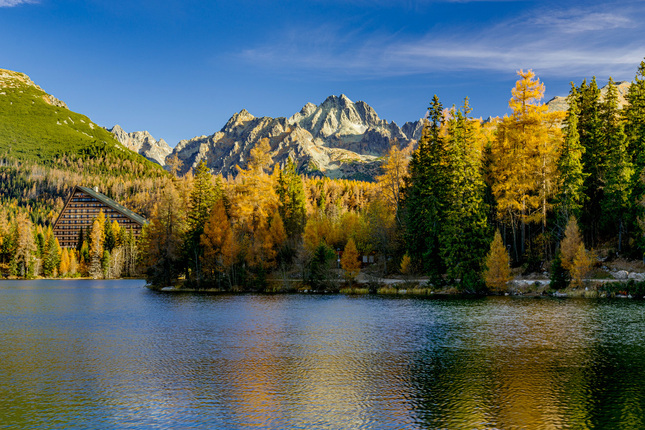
pixel 594 158
pixel 618 172
pixel 202 197
pixel 425 196
pixel 291 200
pixel 464 235
pixel 571 195
pixel 634 116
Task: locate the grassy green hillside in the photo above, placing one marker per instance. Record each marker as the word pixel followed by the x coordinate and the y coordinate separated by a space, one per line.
pixel 36 127
pixel 46 149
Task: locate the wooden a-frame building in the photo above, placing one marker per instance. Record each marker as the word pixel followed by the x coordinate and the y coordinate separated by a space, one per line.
pixel 80 210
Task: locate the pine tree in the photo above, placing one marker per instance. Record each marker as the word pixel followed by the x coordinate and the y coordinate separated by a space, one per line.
pixel 350 261
pixel 498 271
pixel 571 194
pixel 616 203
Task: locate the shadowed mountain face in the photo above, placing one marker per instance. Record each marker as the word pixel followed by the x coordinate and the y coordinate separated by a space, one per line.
pixel 338 138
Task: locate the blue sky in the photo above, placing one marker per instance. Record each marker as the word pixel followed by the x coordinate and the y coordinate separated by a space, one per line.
pixel 181 68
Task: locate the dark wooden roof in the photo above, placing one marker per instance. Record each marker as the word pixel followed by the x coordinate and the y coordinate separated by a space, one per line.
pixel 114 205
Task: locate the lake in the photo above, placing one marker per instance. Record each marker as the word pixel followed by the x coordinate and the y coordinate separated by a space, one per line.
pixel 112 354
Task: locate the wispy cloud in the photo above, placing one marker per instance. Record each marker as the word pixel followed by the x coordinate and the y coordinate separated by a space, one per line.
pixel 560 43
pixel 12 3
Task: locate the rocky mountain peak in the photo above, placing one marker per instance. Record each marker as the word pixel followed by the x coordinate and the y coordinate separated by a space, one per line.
pixel 143 143
pixel 237 119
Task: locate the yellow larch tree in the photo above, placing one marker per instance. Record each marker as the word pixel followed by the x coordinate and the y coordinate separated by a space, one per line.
pixel 524 159
pixel 570 243
pixel 392 181
pixel 581 265
pixel 350 261
pixel 498 271
pixel 64 263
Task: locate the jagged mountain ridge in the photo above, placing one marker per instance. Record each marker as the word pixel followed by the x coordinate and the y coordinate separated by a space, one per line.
pixel 338 138
pixel 143 143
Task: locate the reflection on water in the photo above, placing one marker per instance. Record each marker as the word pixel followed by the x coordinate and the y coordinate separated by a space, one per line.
pixel 111 354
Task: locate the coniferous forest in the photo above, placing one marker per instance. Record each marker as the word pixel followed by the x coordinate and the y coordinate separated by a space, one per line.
pixel 471 204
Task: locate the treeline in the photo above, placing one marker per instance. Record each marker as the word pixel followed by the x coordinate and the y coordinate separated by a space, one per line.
pixel 526 180
pixel 28 250
pixel 435 209
pixel 237 232
pixel 528 175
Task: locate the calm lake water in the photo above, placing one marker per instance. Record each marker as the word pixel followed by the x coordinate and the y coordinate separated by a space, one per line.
pixel 111 354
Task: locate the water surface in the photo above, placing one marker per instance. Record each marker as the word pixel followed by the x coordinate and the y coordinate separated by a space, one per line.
pixel 111 354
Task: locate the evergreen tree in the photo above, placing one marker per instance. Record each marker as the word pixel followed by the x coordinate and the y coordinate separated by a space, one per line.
pixel 594 158
pixel 571 185
pixel 291 200
pixel 559 276
pixel 464 235
pixel 52 255
pixel 425 195
pixel 634 115
pixel 202 196
pixel 616 203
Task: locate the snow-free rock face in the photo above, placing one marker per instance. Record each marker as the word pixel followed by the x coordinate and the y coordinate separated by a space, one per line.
pixel 143 143
pixel 559 104
pixel 338 138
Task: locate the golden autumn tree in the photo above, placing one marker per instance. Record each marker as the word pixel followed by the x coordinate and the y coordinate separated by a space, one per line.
pixel 254 197
pixel 217 232
pixel 498 271
pixel 350 261
pixel 524 160
pixel 96 248
pixel 161 240
pixel 581 265
pixel 63 269
pixel 570 244
pixel 392 181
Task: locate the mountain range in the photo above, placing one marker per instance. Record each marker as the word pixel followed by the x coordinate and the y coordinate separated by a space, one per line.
pixel 337 138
